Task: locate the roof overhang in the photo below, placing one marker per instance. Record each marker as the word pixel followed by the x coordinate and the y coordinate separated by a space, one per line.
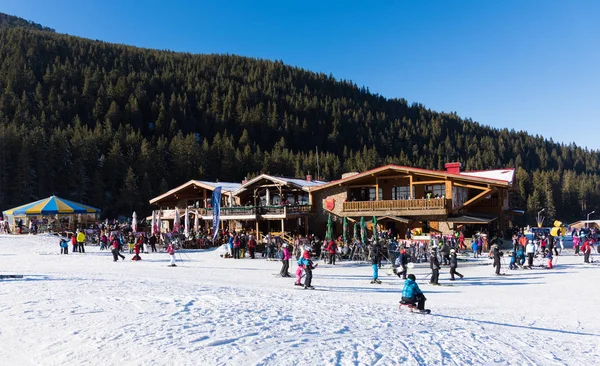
pixel 190 183
pixel 403 220
pixel 467 219
pixel 410 170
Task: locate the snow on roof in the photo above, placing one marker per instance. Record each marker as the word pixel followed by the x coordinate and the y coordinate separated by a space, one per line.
pixel 506 175
pixel 302 182
pixel 225 186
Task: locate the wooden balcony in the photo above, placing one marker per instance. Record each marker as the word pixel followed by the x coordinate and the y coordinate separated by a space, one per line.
pixel 433 207
pixel 253 213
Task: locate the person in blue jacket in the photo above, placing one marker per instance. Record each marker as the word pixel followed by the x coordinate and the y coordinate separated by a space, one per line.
pixel 411 293
pixel 475 248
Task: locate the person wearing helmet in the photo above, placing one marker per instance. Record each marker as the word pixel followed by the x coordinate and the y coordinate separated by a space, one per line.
pixel 402 263
pixel 411 293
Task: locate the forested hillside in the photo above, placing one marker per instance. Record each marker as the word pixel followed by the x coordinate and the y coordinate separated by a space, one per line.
pixel 113 125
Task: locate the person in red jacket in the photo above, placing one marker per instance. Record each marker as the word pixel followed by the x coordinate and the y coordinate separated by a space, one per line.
pixel 74 242
pixel 251 246
pixel 587 250
pixel 115 249
pixel 136 250
pixel 332 249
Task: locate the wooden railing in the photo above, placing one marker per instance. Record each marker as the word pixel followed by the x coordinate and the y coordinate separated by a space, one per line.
pixel 260 210
pixel 392 205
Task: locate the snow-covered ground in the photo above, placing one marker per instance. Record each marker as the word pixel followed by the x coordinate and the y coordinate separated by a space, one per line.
pixel 84 309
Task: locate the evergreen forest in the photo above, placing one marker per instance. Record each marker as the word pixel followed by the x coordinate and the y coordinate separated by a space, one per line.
pixel 113 126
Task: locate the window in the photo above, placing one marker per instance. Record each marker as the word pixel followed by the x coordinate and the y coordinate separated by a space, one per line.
pixel 437 190
pixel 364 194
pixel 401 193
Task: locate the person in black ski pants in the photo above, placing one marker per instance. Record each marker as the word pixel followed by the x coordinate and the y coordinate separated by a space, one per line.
pixel 434 264
pixel 402 263
pixel 152 242
pixel 496 254
pixel 453 265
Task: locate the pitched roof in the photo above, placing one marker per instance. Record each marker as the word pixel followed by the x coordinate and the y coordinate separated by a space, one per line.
pixel 225 187
pixel 488 176
pixel 506 175
pixel 294 182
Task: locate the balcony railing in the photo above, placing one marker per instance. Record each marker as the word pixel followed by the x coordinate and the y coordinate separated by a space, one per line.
pixel 260 210
pixel 396 205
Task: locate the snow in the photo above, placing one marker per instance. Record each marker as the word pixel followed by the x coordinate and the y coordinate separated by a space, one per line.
pixel 81 309
pixel 506 175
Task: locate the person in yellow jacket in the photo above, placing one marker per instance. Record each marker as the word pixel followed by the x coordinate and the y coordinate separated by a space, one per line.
pixel 81 241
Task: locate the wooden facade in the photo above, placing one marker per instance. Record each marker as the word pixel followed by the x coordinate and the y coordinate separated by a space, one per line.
pixel 408 197
pixel 399 197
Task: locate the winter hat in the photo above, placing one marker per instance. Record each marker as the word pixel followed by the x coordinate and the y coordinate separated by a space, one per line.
pixel 412 277
pixel 452 251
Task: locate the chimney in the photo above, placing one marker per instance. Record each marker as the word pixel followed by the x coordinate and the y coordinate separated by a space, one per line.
pixel 309 178
pixel 452 168
pixel 244 181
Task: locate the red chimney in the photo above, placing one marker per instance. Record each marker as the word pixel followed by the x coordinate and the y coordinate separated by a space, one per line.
pixel 452 168
pixel 309 178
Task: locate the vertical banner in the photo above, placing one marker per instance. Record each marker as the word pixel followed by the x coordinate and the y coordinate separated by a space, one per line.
pixel 216 204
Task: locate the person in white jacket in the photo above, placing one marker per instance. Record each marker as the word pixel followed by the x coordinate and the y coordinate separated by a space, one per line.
pixel 530 251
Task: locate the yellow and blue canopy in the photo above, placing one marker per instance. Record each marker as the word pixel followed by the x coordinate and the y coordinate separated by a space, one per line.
pixel 51 206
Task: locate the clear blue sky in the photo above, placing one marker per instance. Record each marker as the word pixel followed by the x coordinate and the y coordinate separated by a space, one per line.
pixel 530 65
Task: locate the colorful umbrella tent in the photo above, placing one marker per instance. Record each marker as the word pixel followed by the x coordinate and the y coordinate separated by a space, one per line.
pixel 52 206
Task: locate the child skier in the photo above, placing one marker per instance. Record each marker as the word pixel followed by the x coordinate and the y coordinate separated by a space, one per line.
pixel 136 250
pixel 64 246
pixel 115 250
pixel 513 260
pixel 548 257
pixel 453 264
pixel 375 253
pixel 402 263
pixel 171 251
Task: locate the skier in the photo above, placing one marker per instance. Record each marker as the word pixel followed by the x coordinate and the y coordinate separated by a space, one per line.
pixel 136 250
pixel 434 264
pixel 512 265
pixel 576 241
pixel 445 253
pixel 131 243
pixel 453 264
pixel 285 261
pixel 375 254
pixel 103 242
pixel 520 256
pixel 548 257
pixel 64 246
pixel 586 248
pixel 411 294
pixel 496 254
pixel 530 251
pixel 115 250
pixel 236 246
pixel 475 249
pixel 171 251
pixel 402 263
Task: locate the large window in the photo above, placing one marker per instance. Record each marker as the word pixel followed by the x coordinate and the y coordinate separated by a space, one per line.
pixel 364 194
pixel 401 193
pixel 436 190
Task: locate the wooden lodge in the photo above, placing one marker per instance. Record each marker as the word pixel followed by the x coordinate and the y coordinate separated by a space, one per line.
pixel 404 197
pixel 398 197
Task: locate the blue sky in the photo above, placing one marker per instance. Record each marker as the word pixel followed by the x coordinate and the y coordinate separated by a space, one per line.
pixel 525 65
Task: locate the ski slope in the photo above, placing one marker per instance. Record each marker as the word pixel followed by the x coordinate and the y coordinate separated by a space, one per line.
pixel 84 309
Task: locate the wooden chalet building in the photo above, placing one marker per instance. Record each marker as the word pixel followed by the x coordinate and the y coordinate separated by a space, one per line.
pixel 403 197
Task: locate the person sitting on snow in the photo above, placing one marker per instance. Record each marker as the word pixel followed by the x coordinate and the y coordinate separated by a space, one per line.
pixel 411 293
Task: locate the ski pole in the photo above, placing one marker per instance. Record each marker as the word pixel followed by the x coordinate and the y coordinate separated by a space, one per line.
pixel 424 278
